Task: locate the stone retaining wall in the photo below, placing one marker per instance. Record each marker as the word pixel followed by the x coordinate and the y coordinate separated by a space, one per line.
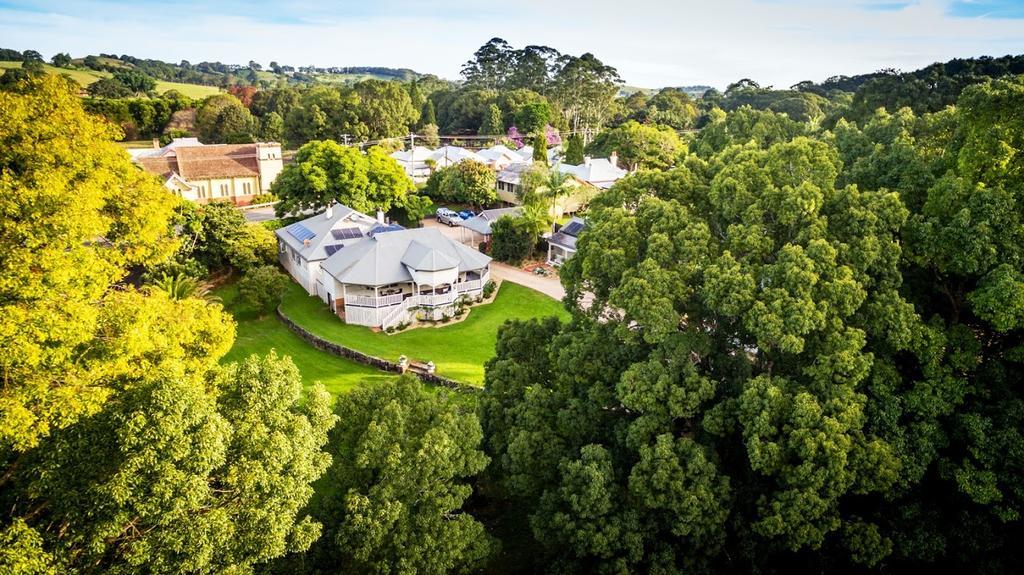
pixel 376 362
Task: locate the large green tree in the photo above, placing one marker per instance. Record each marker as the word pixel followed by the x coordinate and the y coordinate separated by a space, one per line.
pixel 385 108
pixel 738 305
pixel 639 145
pixel 403 458
pixel 325 172
pixel 223 119
pixel 74 215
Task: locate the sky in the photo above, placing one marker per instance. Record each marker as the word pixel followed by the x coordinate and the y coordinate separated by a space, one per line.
pixel 653 43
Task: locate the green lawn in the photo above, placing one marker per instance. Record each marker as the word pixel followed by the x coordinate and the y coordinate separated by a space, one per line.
pixel 260 335
pixel 86 77
pixel 458 350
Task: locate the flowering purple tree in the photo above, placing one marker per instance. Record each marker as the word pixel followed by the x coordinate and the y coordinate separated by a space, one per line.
pixel 554 139
pixel 515 136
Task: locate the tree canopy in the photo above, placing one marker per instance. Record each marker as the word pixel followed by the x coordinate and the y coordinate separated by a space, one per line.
pixel 326 172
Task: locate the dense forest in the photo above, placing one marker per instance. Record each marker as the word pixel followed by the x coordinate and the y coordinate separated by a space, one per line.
pixel 796 339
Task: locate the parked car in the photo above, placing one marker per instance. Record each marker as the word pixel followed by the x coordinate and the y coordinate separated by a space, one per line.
pixel 446 216
pixel 466 214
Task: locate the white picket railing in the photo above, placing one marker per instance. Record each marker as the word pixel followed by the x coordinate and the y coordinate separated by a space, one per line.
pixel 368 301
pixel 468 286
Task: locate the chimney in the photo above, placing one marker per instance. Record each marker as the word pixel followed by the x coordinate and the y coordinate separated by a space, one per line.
pixel 330 211
pixel 614 159
pixel 586 160
pixel 380 217
pixel 156 143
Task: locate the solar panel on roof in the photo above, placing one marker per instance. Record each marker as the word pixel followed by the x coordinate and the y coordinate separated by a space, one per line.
pixel 332 248
pixel 300 232
pixel 573 228
pixel 347 233
pixel 379 229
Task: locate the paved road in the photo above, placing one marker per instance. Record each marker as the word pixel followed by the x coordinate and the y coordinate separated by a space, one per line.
pixel 259 214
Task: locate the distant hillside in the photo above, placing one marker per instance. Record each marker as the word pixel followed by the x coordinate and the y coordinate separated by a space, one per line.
pixel 693 91
pixel 86 77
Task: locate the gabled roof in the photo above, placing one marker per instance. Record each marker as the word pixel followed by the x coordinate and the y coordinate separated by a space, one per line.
pixel 599 172
pixel 448 155
pixel 219 161
pixel 500 152
pixel 388 258
pixel 320 227
pixel 417 154
pixel 481 223
pixel 191 159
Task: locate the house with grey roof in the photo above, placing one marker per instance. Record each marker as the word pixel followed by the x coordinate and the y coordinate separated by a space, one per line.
pixel 562 243
pixel 393 276
pixel 480 224
pixel 304 246
pixel 377 274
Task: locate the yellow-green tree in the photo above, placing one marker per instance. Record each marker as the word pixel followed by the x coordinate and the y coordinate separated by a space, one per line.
pixel 74 215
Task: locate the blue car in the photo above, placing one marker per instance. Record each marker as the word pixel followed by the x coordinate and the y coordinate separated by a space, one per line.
pixel 466 214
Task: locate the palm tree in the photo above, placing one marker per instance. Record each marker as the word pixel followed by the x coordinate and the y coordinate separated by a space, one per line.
pixel 557 185
pixel 536 220
pixel 180 286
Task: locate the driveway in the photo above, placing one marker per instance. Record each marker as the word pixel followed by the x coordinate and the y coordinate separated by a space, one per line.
pixel 548 285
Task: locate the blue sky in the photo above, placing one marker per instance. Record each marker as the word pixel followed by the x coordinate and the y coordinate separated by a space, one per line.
pixel 653 43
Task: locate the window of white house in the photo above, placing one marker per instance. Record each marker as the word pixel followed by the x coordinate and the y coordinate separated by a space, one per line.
pixel 246 188
pixel 223 189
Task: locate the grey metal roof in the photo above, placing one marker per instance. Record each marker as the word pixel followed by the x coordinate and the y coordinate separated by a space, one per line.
pixel 513 172
pixel 320 226
pixel 481 223
pixel 387 258
pixel 424 258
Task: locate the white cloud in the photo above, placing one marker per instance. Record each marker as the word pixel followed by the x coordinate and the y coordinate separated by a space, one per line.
pixel 651 42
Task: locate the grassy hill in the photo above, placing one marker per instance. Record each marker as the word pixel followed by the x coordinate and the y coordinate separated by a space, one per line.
pixel 86 77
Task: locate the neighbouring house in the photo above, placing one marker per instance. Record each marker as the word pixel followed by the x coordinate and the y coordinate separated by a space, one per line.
pixel 379 275
pixel 562 243
pixel 499 157
pixel 204 173
pixel 480 224
pixel 509 180
pixel 414 162
pixel 601 173
pixel 450 155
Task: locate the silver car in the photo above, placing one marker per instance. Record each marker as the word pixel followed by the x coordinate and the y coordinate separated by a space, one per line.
pixel 446 216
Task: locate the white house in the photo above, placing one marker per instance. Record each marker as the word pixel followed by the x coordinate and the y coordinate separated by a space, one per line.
pixel 598 172
pixel 499 156
pixel 450 155
pixel 379 275
pixel 414 162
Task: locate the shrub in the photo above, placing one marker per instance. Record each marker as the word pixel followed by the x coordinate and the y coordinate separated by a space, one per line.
pixel 489 288
pixel 511 240
pixel 264 198
pixel 252 246
pixel 262 287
